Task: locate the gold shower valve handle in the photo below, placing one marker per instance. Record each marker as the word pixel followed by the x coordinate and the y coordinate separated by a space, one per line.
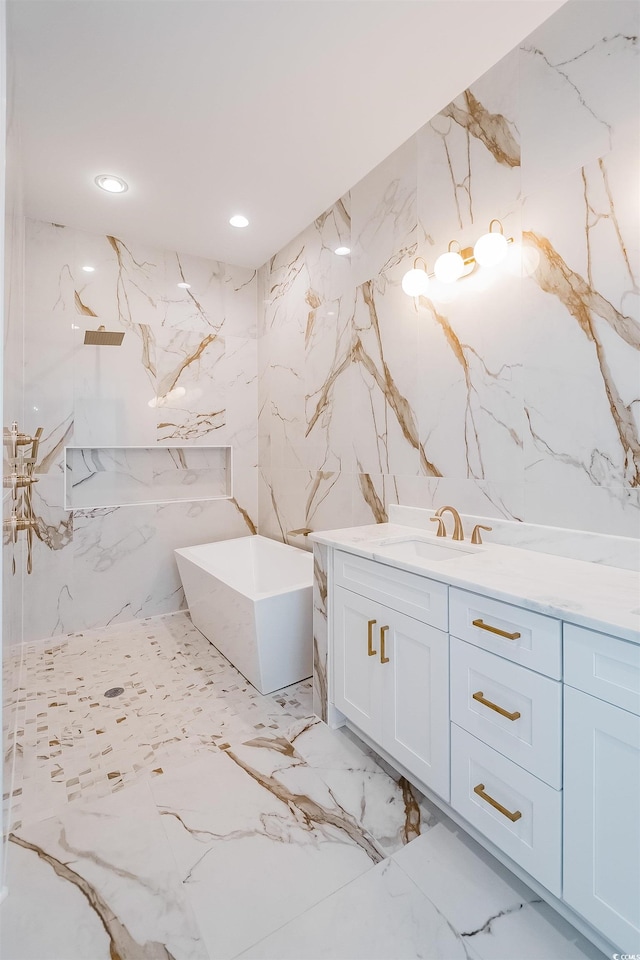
pixel 21 478
pixel 370 651
pixel 383 657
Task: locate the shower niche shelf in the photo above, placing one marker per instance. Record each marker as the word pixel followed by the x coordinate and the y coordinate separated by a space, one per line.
pixel 125 476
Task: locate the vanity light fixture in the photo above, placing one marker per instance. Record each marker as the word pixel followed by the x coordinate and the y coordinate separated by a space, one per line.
pixel 449 266
pixel 342 251
pixel 238 221
pixel 416 281
pixel 111 184
pixel 490 250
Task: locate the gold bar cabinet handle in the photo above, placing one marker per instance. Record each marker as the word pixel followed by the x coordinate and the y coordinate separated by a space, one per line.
pixel 479 696
pixel 370 651
pixel 501 633
pixel 383 658
pixel 479 789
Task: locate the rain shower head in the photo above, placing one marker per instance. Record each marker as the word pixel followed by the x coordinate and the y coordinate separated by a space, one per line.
pixel 103 338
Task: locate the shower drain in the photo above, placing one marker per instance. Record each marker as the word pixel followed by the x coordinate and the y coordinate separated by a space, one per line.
pixel 114 692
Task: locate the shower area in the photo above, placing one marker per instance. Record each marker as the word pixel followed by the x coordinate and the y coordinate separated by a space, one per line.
pixel 130 429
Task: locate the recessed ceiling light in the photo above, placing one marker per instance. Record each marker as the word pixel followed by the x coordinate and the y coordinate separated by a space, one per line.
pixel 88 269
pixel 342 251
pixel 185 286
pixel 111 184
pixel 239 221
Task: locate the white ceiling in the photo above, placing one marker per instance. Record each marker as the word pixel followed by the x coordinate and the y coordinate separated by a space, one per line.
pixel 272 108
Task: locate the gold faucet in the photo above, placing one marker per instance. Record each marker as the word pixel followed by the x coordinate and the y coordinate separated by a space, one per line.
pixel 458 533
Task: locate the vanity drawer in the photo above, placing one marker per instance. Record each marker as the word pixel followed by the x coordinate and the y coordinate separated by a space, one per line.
pixel 604 666
pixel 531 735
pixel 532 839
pixel 520 635
pixel 417 596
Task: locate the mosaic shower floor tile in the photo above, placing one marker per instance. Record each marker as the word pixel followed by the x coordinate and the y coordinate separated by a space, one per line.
pixel 180 697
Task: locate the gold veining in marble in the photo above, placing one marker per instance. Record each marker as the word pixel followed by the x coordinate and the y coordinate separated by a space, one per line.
pixel 312 814
pixel 121 944
pixel 584 304
pixel 493 129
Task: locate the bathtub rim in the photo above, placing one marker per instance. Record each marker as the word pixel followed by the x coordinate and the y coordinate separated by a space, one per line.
pixel 297 584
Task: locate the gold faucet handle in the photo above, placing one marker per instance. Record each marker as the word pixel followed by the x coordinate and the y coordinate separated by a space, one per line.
pixel 442 530
pixel 476 536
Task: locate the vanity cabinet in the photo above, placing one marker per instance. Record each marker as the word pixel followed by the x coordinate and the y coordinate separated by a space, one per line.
pixel 602 783
pixel 526 727
pixel 506 731
pixel 391 675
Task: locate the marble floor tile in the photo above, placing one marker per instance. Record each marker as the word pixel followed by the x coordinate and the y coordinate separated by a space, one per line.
pixel 388 806
pixel 97 881
pixel 192 817
pixel 258 839
pixel 494 912
pixel 380 916
pixel 180 699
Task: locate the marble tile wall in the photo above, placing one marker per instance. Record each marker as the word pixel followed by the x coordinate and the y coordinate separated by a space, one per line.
pixel 519 399
pixel 185 375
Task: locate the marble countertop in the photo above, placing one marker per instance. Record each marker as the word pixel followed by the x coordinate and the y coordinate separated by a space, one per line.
pixel 588 594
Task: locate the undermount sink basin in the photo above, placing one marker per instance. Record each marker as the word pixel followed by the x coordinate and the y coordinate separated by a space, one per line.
pixel 421 548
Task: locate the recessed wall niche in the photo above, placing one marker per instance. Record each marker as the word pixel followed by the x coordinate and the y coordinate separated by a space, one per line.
pixel 121 476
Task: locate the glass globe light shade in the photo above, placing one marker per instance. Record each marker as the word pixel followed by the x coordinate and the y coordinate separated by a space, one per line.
pixel 490 249
pixel 415 282
pixel 449 267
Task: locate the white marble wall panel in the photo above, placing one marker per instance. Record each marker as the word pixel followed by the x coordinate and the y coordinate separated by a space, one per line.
pixel 48 376
pixel 583 353
pixel 190 401
pixel 199 308
pixel 320 631
pixel 384 216
pixel 185 374
pixel 469 162
pixel 48 590
pixel 579 89
pixel 106 413
pixel 385 382
pixel 471 419
pixel 239 302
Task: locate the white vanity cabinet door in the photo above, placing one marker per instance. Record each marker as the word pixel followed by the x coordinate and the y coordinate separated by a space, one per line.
pixel 602 817
pixel 395 689
pixel 358 677
pixel 415 728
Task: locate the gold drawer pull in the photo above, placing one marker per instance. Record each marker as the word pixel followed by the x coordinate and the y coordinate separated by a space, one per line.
pixel 479 789
pixel 479 696
pixel 501 633
pixel 383 658
pixel 371 652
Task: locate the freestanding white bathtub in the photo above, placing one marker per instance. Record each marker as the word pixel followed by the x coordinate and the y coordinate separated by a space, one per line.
pixel 252 599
